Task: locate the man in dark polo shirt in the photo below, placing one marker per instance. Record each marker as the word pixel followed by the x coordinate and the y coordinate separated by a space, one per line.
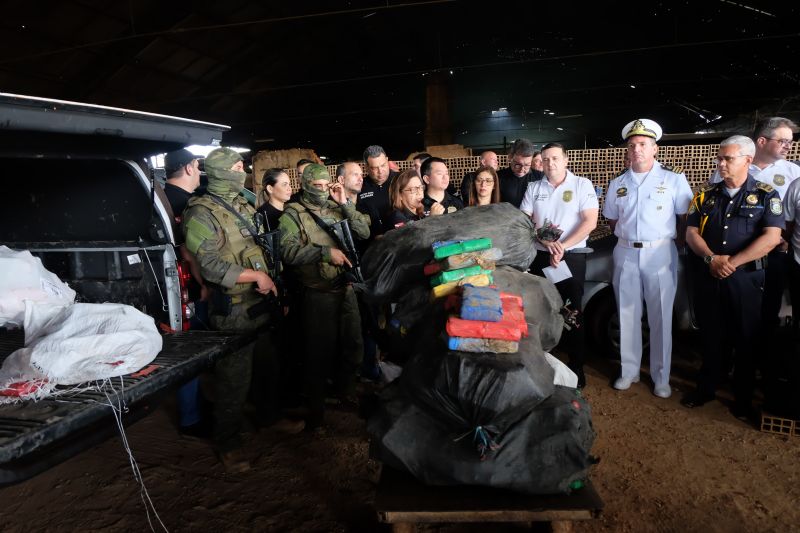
pixel 514 180
pixel 373 200
pixel 436 177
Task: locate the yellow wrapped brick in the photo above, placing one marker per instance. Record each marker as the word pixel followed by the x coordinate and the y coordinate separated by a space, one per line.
pixel 480 280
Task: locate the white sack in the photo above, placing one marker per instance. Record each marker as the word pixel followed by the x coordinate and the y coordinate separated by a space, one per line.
pixel 563 374
pixel 71 344
pixel 22 277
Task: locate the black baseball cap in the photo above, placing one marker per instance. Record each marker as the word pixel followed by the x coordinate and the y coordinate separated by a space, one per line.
pixel 173 161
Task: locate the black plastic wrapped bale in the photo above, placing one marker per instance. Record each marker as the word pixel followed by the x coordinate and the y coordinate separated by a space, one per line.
pixel 394 262
pixel 469 390
pixel 542 303
pixel 546 452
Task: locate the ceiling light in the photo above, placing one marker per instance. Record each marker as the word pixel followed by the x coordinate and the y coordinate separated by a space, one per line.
pixel 560 129
pixel 633 86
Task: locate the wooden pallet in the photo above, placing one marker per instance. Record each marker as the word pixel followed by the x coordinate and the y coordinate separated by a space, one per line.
pixel 404 502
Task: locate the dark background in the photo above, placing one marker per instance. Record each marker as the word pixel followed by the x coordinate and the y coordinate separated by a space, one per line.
pixel 337 76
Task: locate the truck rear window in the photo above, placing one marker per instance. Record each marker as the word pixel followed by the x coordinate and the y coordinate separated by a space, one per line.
pixel 57 200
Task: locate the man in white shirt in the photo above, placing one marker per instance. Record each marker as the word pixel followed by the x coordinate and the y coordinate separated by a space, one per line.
pixel 642 205
pixel 569 202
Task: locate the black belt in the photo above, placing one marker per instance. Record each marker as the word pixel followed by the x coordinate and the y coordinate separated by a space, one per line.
pixel 756 265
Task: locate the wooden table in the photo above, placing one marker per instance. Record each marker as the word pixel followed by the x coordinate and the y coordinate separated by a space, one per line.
pixel 404 502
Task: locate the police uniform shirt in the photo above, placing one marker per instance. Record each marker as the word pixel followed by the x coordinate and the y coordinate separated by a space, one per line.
pixel 734 223
pixel 373 200
pixel 779 175
pixel 646 211
pixel 791 210
pixel 562 205
pixel 512 188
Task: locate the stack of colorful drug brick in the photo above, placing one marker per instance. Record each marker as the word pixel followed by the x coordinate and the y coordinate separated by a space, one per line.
pixel 485 319
pixel 458 263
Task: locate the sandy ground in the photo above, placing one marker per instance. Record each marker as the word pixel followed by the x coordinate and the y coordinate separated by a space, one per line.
pixel 663 468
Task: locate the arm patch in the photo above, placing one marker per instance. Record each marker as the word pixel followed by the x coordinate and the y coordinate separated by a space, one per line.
pixel 196 233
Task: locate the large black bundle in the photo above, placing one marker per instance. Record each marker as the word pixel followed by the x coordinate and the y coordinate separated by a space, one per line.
pixel 470 390
pixel 544 453
pixel 394 262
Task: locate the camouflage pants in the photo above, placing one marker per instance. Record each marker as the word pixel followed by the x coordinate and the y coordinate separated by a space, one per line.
pixel 252 372
pixel 333 346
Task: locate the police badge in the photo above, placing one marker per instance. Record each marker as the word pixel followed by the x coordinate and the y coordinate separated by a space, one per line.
pixel 775 206
pixel 622 191
pixel 751 199
pixel 567 196
pixel 779 180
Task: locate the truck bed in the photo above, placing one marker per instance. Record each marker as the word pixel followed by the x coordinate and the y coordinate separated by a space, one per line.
pixel 35 436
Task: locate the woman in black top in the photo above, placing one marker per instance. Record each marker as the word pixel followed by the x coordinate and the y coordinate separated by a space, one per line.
pixel 405 195
pixel 277 190
pixel 484 189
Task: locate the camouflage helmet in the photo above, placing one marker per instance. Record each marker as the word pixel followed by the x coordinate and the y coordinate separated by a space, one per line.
pixel 222 159
pixel 314 172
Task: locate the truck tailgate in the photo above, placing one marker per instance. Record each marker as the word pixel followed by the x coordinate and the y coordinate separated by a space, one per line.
pixel 37 435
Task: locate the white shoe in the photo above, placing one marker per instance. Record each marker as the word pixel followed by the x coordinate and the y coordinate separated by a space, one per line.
pixel 624 383
pixel 662 391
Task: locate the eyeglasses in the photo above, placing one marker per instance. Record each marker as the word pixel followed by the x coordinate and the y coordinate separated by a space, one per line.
pixel 484 180
pixel 728 158
pixel 519 166
pixel 783 142
pixel 413 190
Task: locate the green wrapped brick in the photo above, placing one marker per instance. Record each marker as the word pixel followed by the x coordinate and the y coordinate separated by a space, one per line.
pixel 455 275
pixel 462 247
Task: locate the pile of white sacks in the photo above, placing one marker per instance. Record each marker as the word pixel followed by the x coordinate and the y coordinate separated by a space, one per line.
pixel 66 343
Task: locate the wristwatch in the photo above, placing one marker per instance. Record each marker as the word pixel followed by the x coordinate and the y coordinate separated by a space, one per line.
pixel 707 259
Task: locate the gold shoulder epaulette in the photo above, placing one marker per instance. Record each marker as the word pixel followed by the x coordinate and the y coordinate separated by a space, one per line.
pixel 621 172
pixel 766 187
pixel 676 170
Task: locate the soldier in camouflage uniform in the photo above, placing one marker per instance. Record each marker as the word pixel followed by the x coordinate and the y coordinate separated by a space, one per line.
pixel 235 267
pixel 329 309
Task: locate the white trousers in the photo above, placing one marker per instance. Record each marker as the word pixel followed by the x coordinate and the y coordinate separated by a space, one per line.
pixel 648 274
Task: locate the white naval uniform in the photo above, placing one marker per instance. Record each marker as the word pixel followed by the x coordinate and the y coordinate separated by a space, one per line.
pixel 560 205
pixel 779 175
pixel 645 214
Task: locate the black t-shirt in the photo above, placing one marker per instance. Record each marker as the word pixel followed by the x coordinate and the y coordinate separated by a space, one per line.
pixel 373 200
pixel 465 185
pixel 272 213
pixel 178 198
pixel 512 188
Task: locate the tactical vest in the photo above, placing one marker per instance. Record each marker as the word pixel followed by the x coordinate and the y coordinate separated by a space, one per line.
pixel 239 247
pixel 316 275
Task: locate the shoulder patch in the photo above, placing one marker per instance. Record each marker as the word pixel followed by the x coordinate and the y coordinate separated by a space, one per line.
pixel 196 233
pixel 766 187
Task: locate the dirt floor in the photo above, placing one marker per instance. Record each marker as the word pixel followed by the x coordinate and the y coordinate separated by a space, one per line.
pixel 663 468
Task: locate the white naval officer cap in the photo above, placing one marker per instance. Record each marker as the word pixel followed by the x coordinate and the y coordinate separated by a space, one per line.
pixel 642 126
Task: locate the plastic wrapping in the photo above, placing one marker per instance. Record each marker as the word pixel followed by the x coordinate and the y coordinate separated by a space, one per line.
pixel 543 453
pixel 481 303
pixel 395 262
